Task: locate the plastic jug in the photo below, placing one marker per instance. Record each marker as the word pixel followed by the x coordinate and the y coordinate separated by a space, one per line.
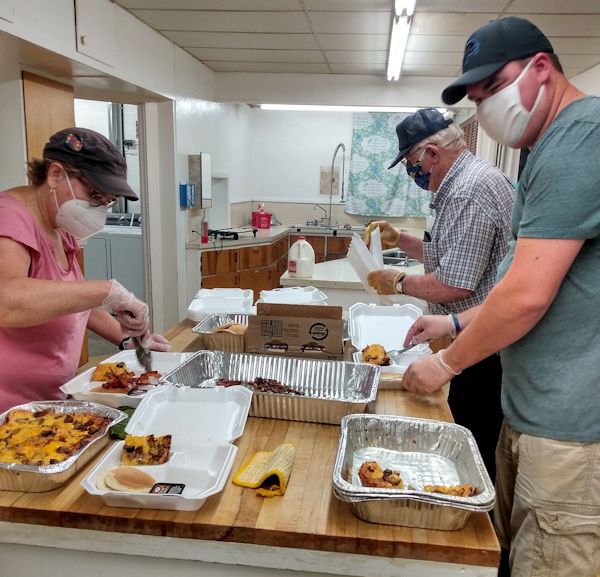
pixel 301 259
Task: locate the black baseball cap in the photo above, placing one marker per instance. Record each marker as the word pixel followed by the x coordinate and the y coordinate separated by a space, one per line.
pixel 417 127
pixel 493 46
pixel 98 159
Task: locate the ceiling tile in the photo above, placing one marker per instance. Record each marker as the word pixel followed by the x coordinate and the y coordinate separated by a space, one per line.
pixel 433 58
pixel 357 68
pixel 450 24
pixel 353 41
pixel 350 5
pixel 238 5
pixel 351 22
pixel 555 7
pixel 566 24
pixel 224 54
pixel 279 67
pixel 243 40
pixel 432 43
pixel 356 56
pixel 564 46
pixel 417 70
pixel 225 21
pixel 466 6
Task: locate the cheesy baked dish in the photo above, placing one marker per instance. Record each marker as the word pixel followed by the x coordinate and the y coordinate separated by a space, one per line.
pixel 146 450
pixel 108 371
pixel 46 437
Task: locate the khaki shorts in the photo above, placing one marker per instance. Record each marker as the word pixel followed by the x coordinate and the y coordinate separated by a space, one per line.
pixel 548 505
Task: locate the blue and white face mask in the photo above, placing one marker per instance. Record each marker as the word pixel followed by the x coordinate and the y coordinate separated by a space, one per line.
pixel 420 177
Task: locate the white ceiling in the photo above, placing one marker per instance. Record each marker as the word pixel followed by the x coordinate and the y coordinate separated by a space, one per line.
pixel 352 36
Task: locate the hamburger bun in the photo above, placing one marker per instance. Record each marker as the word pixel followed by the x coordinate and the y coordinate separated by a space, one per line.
pixel 128 479
pixel 232 328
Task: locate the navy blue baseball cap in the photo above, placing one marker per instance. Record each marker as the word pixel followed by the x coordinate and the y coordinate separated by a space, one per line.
pixel 417 127
pixel 493 46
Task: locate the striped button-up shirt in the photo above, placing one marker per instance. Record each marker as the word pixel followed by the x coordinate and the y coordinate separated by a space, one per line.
pixel 470 233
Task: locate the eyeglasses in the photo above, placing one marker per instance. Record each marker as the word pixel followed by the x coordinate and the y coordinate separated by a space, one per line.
pixel 98 198
pixel 405 162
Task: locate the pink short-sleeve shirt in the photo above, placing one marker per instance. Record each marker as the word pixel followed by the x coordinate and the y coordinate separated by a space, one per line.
pixel 35 361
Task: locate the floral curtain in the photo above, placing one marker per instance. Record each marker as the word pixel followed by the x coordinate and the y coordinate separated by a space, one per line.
pixel 373 190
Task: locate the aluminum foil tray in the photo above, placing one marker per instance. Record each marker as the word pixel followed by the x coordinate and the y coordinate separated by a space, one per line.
pixel 424 452
pixel 29 478
pixel 331 389
pixel 212 341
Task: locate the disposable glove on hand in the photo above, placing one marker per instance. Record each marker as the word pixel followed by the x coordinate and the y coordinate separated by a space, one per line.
pixel 389 235
pixel 426 328
pixel 155 342
pixel 384 280
pixel 131 312
pixel 425 376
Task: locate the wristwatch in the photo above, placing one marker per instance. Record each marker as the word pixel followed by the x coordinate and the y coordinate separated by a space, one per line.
pixel 398 283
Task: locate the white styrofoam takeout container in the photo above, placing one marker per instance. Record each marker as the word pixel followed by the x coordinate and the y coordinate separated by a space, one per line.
pixel 203 423
pixel 220 300
pixel 80 387
pixel 294 295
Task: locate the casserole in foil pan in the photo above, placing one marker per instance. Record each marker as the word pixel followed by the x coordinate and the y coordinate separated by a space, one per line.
pixel 36 479
pixel 327 390
pixel 424 452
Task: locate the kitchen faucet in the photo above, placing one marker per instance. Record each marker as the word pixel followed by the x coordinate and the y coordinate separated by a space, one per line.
pixel 340 145
pixel 323 218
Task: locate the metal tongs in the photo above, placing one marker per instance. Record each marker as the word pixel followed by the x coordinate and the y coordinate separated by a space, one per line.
pixel 142 353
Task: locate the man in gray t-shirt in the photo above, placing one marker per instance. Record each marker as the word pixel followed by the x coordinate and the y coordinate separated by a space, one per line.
pixel 543 312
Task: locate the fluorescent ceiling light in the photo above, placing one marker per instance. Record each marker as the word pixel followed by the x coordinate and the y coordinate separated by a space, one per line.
pixel 325 107
pixel 402 19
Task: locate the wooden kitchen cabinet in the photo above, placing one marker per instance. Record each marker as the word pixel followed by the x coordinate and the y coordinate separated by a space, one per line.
pixel 250 267
pixel 337 247
pixel 317 242
pixel 219 261
pixel 255 257
pixel 258 279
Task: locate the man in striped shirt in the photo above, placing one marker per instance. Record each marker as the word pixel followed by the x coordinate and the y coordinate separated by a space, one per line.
pixel 472 201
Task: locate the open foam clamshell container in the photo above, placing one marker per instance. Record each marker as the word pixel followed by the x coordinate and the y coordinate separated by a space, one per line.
pixel 328 389
pixel 34 479
pixel 424 452
pixel 203 424
pixel 386 325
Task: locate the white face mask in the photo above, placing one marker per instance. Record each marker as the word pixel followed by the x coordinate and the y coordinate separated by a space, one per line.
pixel 78 217
pixel 503 116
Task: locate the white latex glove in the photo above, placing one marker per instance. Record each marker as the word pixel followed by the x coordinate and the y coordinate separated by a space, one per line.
pixel 131 312
pixel 155 342
pixel 389 235
pixel 426 328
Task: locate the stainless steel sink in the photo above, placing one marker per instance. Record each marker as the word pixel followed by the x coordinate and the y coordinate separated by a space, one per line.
pixel 396 257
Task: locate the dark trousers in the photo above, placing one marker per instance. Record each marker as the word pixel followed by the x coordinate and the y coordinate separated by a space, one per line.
pixel 474 400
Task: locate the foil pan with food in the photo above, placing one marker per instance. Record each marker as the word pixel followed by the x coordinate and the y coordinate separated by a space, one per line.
pixel 408 471
pixel 289 388
pixel 222 332
pixel 43 443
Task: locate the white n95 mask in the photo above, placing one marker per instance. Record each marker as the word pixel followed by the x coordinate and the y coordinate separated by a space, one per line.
pixel 503 116
pixel 78 217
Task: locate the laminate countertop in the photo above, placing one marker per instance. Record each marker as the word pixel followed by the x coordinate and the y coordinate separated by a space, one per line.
pixel 307 529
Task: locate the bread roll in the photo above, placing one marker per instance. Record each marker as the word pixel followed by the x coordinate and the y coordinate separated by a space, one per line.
pixel 232 328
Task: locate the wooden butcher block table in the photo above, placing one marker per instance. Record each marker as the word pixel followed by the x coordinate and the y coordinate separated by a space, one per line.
pixel 244 531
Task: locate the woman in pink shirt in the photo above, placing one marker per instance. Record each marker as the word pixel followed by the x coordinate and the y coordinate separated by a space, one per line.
pixel 45 303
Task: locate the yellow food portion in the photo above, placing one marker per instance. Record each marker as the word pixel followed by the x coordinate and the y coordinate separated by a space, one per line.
pixel 146 450
pixel 462 490
pixel 108 371
pixel 375 355
pixel 46 437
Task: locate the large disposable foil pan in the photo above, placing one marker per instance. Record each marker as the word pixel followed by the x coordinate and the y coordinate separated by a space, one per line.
pixel 425 452
pixel 15 477
pixel 209 340
pixel 330 389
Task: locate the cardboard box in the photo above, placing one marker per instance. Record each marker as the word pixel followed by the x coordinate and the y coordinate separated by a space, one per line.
pixel 309 331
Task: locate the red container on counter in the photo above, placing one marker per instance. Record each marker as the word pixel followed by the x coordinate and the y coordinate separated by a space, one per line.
pixel 261 219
